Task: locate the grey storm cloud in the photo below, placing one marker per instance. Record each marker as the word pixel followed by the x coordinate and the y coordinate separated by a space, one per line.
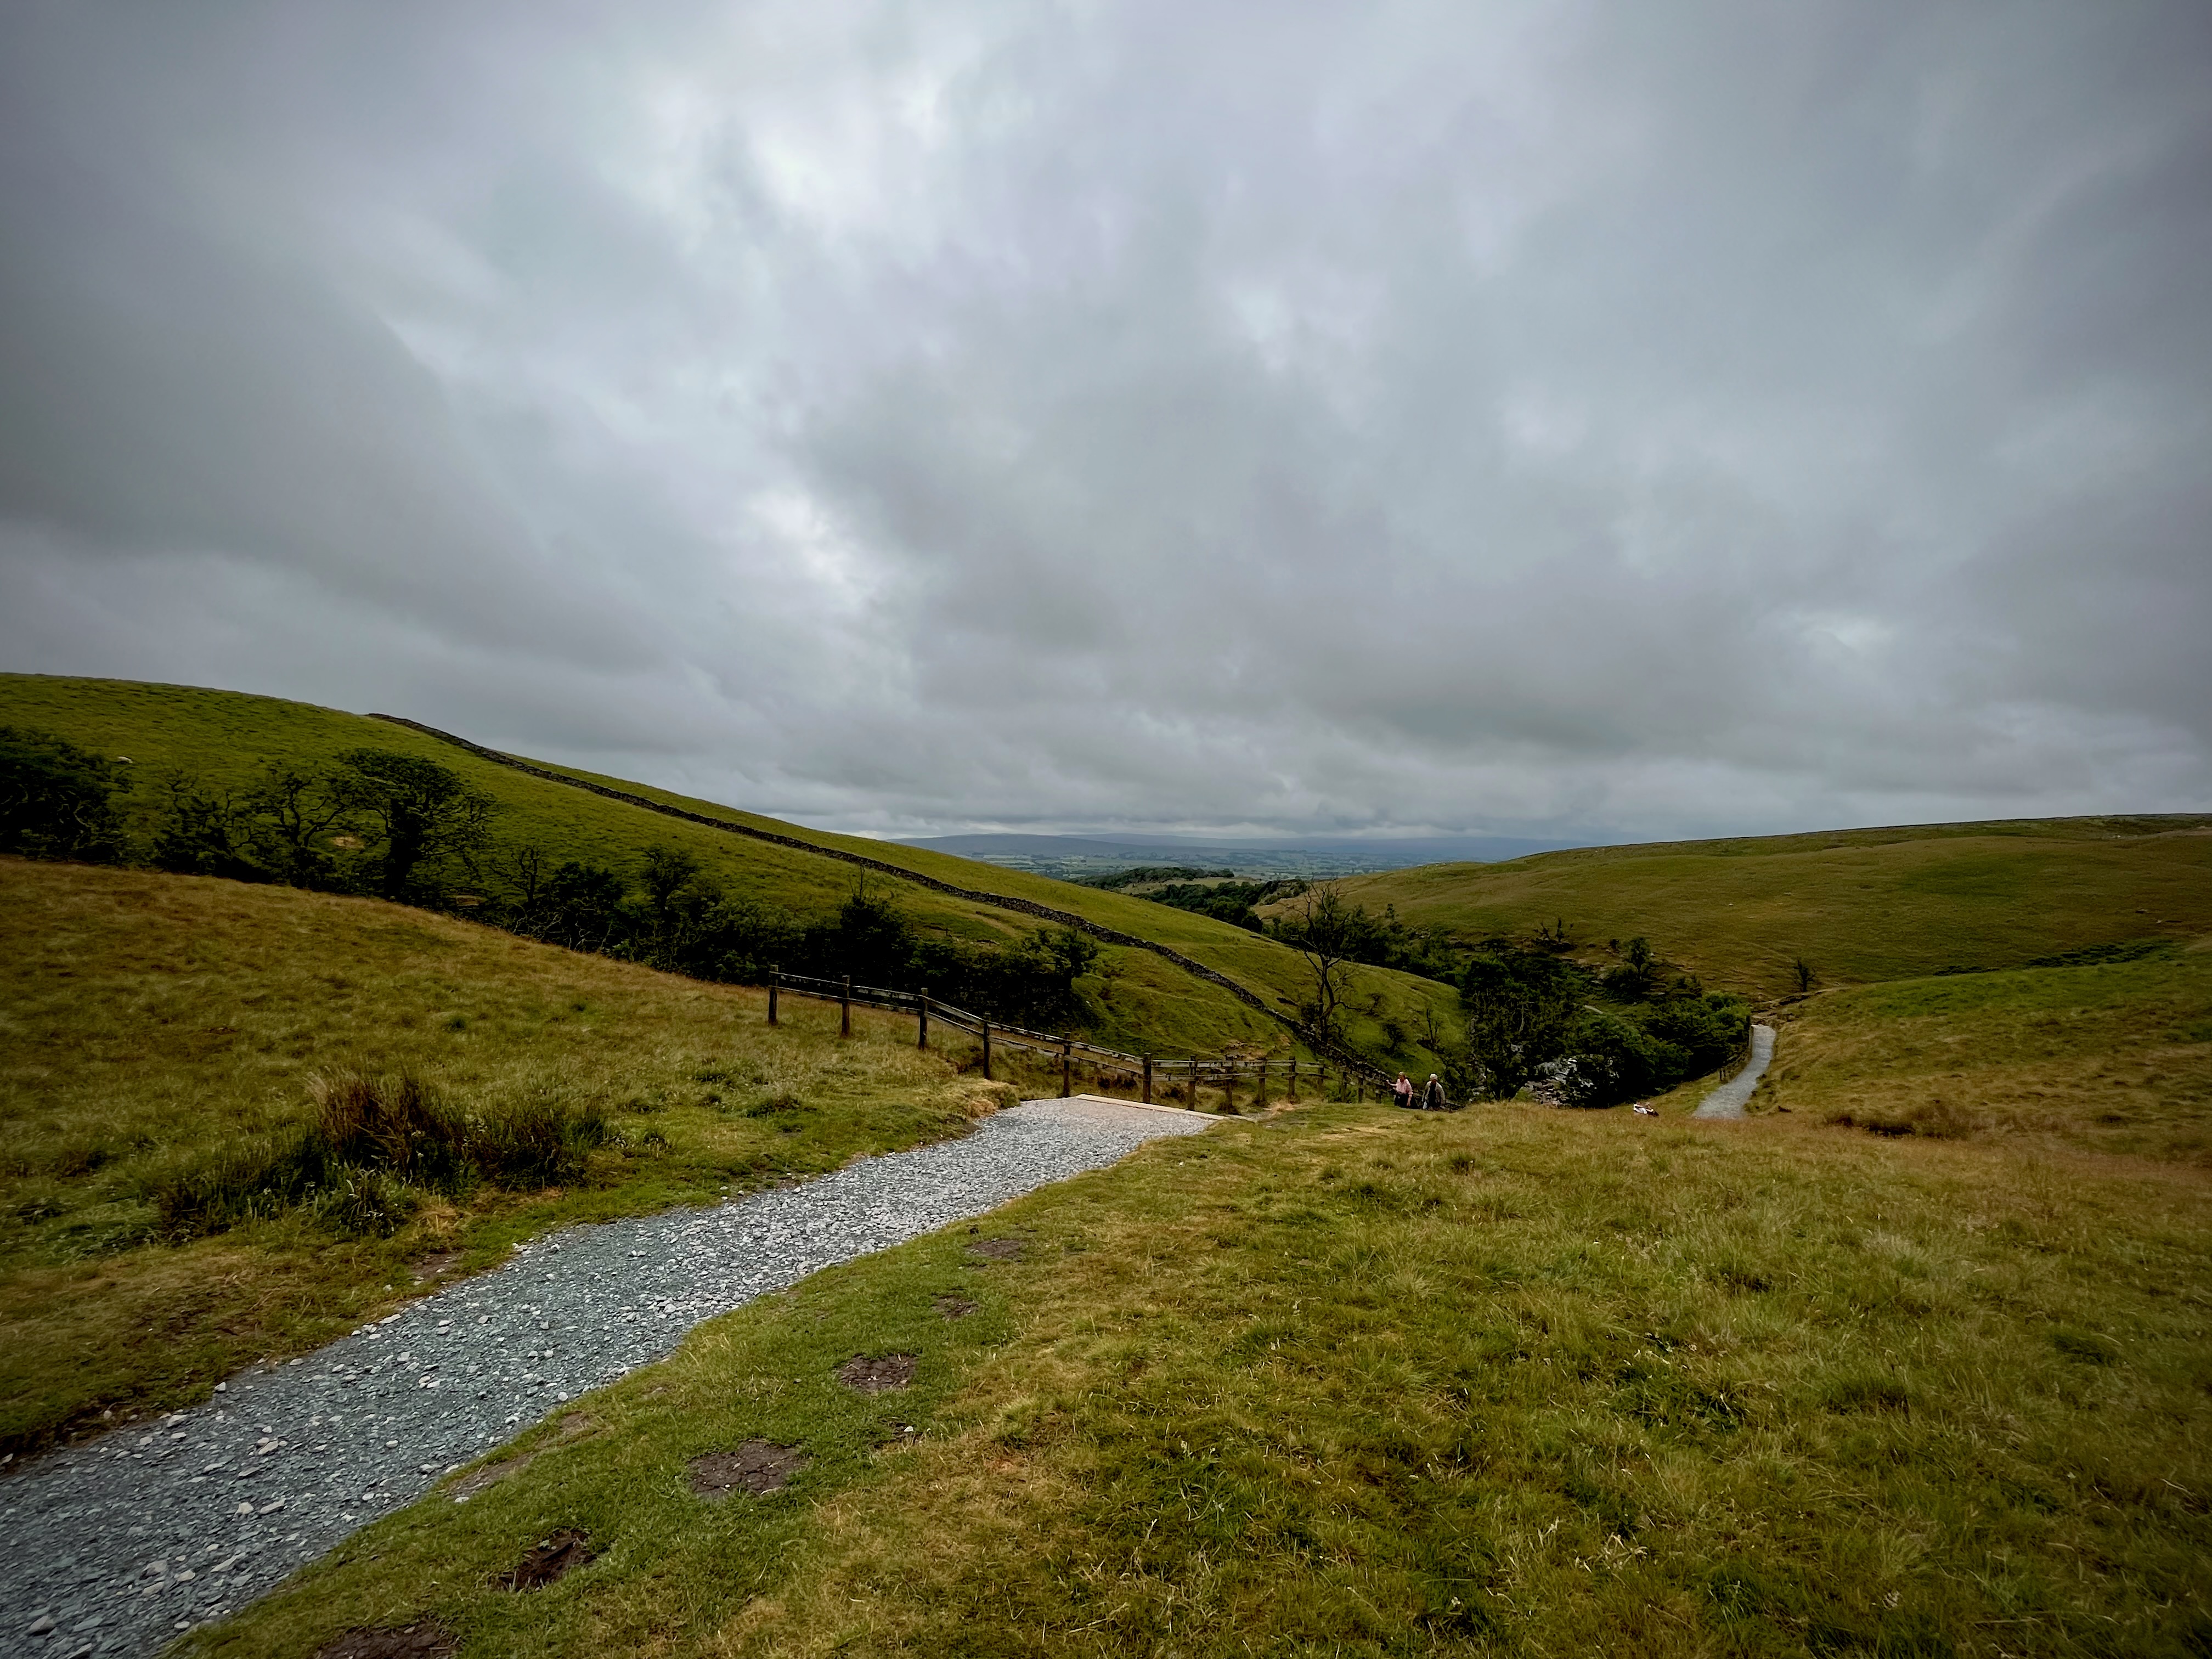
pixel 1585 418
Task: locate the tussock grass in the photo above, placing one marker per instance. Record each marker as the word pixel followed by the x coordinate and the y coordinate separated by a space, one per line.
pixel 375 1146
pixel 1365 1383
pixel 2114 1058
pixel 321 1092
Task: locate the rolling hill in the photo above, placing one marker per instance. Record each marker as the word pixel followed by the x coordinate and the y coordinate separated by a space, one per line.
pixel 1142 998
pixel 1856 906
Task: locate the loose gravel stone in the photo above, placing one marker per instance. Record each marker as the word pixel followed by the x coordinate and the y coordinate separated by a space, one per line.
pixel 149 1530
pixel 1729 1099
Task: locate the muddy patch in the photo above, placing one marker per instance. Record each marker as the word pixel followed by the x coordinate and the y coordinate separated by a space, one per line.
pixel 489 1476
pixel 955 1307
pixel 877 1373
pixel 998 1250
pixel 426 1638
pixel 574 1426
pixel 541 1563
pixel 759 1466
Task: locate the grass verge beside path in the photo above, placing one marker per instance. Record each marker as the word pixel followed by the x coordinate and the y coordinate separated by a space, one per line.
pixel 1369 1382
pixel 2114 1059
pixel 149 1021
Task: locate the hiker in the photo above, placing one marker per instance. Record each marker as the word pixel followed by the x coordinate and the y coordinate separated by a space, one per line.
pixel 1402 1091
pixel 1432 1097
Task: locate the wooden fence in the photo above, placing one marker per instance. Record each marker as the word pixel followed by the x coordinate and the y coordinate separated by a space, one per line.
pixel 1143 1073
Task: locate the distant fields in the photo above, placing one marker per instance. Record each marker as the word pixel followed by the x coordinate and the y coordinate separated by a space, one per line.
pixel 1140 999
pixel 1858 906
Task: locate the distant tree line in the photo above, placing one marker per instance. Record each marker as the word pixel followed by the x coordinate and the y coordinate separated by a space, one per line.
pixel 396 826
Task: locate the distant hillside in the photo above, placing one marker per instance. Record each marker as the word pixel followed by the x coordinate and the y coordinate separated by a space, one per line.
pixel 1140 999
pixel 1856 905
pixel 1080 858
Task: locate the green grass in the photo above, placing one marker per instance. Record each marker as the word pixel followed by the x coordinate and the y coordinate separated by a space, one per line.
pixel 1360 1383
pixel 1858 905
pixel 149 1023
pixel 2114 1059
pixel 1140 999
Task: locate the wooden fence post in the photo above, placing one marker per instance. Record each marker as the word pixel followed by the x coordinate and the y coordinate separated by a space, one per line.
pixel 1260 1088
pixel 1066 1068
pixel 774 976
pixel 1291 1093
pixel 845 1008
pixel 1148 1079
pixel 921 1011
pixel 985 1022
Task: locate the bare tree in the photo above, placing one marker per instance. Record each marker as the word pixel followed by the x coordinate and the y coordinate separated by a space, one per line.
pixel 1325 930
pixel 297 809
pixel 427 812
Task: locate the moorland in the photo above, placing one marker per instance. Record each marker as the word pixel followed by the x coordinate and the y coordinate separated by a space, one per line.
pixel 1914 1358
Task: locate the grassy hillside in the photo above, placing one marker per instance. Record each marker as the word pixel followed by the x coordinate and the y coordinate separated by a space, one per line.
pixel 1141 1000
pixel 2114 1059
pixel 149 1021
pixel 1368 1383
pixel 1858 905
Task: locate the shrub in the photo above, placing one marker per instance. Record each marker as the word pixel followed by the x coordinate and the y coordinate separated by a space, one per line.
pixel 56 799
pixel 376 1144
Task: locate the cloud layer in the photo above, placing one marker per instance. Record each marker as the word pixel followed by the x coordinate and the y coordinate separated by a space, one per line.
pixel 1594 418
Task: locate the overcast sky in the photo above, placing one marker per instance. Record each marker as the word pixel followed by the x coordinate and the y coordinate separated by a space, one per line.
pixel 1617 419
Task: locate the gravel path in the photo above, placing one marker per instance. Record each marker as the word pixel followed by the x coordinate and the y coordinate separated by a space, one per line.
pixel 1728 1100
pixel 114 1547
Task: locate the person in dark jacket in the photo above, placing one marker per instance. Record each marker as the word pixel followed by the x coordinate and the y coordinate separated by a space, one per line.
pixel 1432 1097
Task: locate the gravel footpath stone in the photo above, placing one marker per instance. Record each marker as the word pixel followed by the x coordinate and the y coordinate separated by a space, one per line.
pixel 117 1545
pixel 1728 1100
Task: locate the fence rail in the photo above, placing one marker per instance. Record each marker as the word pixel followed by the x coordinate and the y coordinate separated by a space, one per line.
pixel 1194 1072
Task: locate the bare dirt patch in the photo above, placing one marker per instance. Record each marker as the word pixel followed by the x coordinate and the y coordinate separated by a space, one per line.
pixel 491 1474
pixel 877 1373
pixel 955 1307
pixel 426 1638
pixel 998 1250
pixel 759 1466
pixel 573 1426
pixel 437 1267
pixel 543 1562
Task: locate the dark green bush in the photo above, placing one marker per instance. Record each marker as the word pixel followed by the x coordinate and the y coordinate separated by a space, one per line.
pixel 56 801
pixel 377 1144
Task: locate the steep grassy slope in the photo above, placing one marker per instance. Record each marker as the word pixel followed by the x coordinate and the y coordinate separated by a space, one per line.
pixel 1143 999
pixel 1366 1383
pixel 2114 1059
pixel 1858 905
pixel 150 1020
